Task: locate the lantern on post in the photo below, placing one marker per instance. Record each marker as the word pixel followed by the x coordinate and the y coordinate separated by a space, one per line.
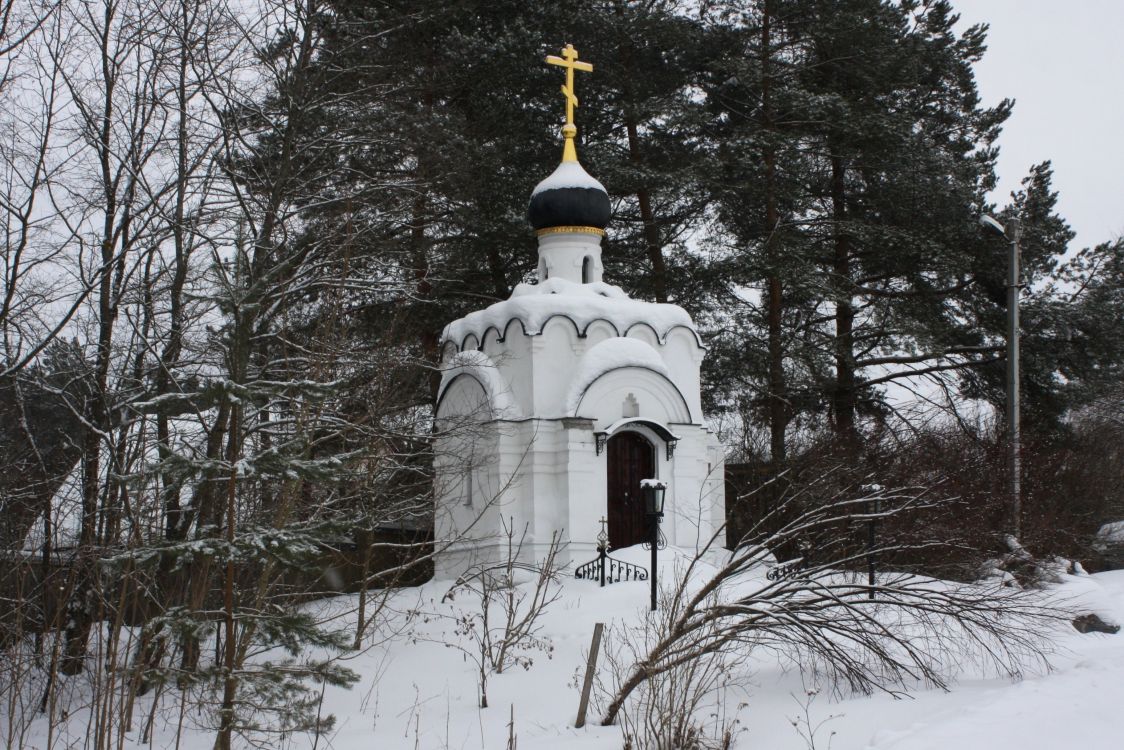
pixel 654 493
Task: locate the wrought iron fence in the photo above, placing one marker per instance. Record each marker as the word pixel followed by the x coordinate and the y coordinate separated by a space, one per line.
pixel 786 569
pixel 608 569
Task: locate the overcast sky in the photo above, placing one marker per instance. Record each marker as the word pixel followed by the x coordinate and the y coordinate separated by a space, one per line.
pixel 1062 61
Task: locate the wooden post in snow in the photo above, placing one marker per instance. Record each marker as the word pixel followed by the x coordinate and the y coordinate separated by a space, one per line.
pixel 590 667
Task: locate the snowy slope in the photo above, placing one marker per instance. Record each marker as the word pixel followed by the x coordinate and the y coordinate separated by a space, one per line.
pixel 424 693
pixel 1077 705
pixel 418 691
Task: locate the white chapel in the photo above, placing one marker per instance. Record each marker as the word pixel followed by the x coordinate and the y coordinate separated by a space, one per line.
pixel 554 404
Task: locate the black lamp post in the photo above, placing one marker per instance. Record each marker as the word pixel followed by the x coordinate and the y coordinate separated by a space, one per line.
pixel 654 492
pixel 872 491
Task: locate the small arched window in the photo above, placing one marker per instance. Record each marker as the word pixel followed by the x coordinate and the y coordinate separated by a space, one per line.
pixel 587 269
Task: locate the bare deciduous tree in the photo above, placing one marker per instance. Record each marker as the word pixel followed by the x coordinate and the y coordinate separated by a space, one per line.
pixel 820 611
pixel 683 707
pixel 506 601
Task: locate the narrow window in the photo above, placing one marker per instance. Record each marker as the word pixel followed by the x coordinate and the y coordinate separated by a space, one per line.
pixel 587 270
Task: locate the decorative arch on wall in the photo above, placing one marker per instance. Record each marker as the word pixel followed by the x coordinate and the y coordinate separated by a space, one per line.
pixel 490 338
pixel 564 322
pixel 663 338
pixel 456 384
pixel 644 332
pixel 471 340
pixel 637 378
pixel 480 368
pixel 599 330
pixel 449 350
pixel 683 332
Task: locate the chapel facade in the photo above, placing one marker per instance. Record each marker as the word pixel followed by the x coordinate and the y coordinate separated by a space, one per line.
pixel 554 404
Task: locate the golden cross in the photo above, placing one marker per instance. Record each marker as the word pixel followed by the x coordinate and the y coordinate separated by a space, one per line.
pixel 570 62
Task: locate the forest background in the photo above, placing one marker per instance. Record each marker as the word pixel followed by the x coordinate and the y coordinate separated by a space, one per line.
pixel 234 231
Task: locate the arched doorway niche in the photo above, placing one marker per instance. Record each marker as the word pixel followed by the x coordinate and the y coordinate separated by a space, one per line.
pixel 634 450
pixel 630 457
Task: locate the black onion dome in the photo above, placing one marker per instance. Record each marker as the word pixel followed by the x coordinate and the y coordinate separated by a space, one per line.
pixel 569 197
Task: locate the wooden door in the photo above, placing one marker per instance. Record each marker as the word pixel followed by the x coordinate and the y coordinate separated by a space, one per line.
pixel 631 458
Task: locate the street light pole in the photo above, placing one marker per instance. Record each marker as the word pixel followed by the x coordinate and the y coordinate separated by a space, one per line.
pixel 1013 233
pixel 1014 436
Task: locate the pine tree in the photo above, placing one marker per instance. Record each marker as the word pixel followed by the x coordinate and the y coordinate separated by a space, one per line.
pixel 896 158
pixel 1068 309
pixel 646 130
pixel 758 184
pixel 446 119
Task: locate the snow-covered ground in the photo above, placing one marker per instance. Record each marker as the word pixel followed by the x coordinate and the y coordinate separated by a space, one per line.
pixel 423 694
pixel 417 691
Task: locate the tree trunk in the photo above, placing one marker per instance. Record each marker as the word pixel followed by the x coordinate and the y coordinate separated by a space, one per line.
pixel 81 604
pixel 230 682
pixel 419 222
pixel 428 337
pixel 774 291
pixel 651 231
pixel 843 399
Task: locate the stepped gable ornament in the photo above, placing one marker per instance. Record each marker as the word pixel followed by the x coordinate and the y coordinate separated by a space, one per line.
pixel 569 201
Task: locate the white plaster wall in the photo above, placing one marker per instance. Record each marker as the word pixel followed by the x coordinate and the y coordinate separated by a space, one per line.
pixel 556 356
pixel 585 484
pixel 561 255
pixel 688 520
pixel 515 365
pixel 714 490
pixel 683 356
pixel 466 479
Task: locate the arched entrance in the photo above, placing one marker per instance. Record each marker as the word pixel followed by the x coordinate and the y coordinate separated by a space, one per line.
pixel 631 457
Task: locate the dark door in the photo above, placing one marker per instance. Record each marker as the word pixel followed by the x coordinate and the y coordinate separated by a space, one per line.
pixel 631 458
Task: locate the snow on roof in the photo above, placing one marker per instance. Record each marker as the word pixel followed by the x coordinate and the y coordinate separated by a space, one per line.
pixel 569 174
pixel 612 354
pixel 660 429
pixel 534 304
